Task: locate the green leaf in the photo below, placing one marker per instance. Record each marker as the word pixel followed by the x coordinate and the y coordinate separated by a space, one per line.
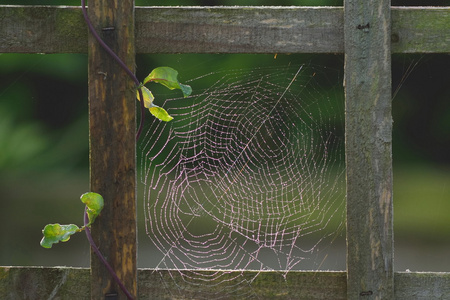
pixel 94 203
pixel 155 110
pixel 55 233
pixel 148 96
pixel 168 77
pixel 160 113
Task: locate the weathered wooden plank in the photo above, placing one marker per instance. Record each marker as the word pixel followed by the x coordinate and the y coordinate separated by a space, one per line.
pixel 258 285
pixel 240 30
pixel 74 283
pixel 368 149
pixel 57 29
pixel 112 146
pixel 421 30
pixel 42 29
pixel 422 285
pixel 44 283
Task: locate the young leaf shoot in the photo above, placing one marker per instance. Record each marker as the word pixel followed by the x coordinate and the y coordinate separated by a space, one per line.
pixel 94 203
pixel 55 233
pixel 168 78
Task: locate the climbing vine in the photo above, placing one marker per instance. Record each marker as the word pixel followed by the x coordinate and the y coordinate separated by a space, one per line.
pixel 166 76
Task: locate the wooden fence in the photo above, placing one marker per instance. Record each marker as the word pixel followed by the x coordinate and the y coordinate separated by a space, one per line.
pixel 366 31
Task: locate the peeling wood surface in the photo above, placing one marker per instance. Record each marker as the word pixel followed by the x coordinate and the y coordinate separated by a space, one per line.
pixel 57 29
pixel 74 283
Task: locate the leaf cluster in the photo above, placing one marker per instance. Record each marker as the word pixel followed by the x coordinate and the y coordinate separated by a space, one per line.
pixel 55 233
pixel 167 77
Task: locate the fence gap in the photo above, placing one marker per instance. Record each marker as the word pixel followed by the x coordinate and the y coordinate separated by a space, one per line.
pixel 368 135
pixel 112 146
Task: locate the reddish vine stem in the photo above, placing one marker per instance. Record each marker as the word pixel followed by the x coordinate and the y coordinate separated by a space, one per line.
pixel 141 125
pixel 120 62
pixel 102 258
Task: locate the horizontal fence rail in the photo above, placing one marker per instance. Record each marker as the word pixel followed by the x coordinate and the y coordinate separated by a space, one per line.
pixel 25 29
pixel 74 283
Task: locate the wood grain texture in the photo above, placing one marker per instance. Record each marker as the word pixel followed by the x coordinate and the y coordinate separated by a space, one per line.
pixel 112 146
pixel 56 29
pixel 422 285
pixel 73 283
pixel 257 285
pixel 240 30
pixel 42 29
pixel 368 149
pixel 44 283
pixel 421 30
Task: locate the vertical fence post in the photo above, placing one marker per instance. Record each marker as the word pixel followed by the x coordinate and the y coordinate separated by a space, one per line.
pixel 368 149
pixel 112 146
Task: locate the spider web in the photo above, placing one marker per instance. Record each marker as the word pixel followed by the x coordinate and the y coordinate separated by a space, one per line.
pixel 248 176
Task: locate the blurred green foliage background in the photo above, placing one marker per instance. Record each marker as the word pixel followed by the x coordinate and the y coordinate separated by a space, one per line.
pixel 44 143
